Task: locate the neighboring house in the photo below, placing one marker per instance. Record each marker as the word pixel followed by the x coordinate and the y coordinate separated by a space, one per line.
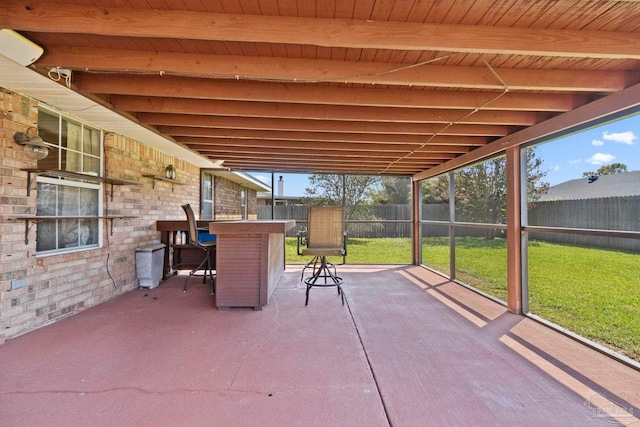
pixel 607 202
pixel 266 198
pixel 595 187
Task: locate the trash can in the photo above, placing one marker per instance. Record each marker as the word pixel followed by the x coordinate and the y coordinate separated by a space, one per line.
pixel 149 262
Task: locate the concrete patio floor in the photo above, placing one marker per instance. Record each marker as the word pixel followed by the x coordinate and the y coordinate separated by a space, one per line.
pixel 408 349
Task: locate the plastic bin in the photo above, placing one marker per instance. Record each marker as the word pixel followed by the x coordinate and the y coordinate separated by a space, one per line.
pixel 149 263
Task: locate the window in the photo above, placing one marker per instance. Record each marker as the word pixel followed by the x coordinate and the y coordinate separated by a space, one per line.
pixel 207 185
pixel 243 203
pixel 73 147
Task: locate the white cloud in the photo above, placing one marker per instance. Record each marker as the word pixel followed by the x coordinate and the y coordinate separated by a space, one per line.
pixel 554 168
pixel 600 159
pixel 627 137
pixel 575 162
pixel 597 142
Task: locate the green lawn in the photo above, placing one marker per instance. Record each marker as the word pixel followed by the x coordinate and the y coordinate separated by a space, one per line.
pixel 362 251
pixel 592 292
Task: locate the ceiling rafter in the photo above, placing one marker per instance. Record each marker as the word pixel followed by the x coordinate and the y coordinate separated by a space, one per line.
pixel 266 137
pixel 280 110
pixel 180 87
pixel 201 144
pixel 234 67
pixel 305 125
pixel 335 33
pixel 284 154
pixel 414 90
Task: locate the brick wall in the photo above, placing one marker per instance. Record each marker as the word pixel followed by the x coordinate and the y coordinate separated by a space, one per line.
pixel 228 200
pixel 57 286
pixel 252 204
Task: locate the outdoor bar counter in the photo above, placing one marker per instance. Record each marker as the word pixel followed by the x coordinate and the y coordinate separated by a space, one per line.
pixel 249 261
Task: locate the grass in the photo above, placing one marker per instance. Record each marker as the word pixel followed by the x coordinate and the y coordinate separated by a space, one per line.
pixel 362 251
pixel 592 292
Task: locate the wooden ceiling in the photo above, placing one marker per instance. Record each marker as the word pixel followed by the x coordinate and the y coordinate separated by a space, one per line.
pixel 353 86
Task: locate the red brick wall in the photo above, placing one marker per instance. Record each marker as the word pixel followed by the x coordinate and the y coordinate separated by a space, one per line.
pixel 228 200
pixel 61 285
pixel 252 204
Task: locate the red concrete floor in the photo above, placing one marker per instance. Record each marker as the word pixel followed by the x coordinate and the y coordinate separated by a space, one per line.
pixel 408 349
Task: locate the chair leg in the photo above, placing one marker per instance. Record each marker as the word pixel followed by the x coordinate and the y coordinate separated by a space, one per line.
pixel 310 264
pixel 192 272
pixel 211 278
pixel 324 271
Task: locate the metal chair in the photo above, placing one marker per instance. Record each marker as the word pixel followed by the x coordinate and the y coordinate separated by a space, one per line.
pixel 208 247
pixel 325 236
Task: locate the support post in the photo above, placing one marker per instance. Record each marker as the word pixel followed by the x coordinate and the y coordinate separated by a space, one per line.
pixel 417 230
pixel 514 230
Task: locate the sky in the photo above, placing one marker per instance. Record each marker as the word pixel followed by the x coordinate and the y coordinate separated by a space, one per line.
pixel 294 183
pixel 563 159
pixel 569 157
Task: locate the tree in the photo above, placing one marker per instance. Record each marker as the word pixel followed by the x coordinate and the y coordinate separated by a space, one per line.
pixel 481 190
pixel 396 190
pixel 326 189
pixel 607 170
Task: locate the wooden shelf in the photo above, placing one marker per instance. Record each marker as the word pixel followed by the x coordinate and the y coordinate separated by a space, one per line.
pixel 35 219
pixel 57 173
pixel 155 178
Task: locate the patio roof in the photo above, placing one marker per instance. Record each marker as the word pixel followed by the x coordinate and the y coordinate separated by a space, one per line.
pixel 393 87
pixel 409 348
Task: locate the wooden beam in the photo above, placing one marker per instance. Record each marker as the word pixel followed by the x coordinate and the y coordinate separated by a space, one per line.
pixel 600 109
pixel 301 111
pixel 276 124
pixel 198 144
pixel 329 156
pixel 226 153
pixel 466 101
pixel 266 137
pixel 171 65
pixel 156 23
pixel 324 165
pixel 311 165
pixel 320 168
pixel 514 230
pixel 416 230
pixel 181 87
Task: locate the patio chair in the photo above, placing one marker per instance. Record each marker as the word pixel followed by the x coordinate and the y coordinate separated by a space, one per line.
pixel 207 247
pixel 325 236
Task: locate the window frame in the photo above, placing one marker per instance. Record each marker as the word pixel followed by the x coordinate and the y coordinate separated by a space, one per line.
pixel 62 184
pixel 205 174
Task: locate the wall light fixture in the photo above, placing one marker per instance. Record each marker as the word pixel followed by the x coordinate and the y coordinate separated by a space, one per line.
pixel 34 146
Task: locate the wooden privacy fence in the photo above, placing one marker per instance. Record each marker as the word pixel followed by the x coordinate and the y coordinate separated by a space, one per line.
pixel 375 221
pixel 362 221
pixel 610 213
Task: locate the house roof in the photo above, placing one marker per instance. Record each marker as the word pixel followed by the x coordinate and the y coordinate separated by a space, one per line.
pixel 243 179
pixel 341 86
pixel 614 185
